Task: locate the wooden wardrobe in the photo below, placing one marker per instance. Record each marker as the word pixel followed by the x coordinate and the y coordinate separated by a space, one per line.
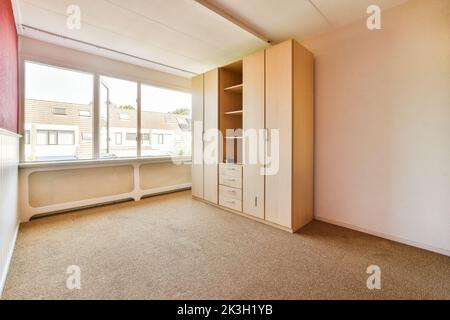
pixel 277 100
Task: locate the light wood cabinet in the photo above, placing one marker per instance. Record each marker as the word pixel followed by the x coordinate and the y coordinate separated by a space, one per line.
pixel 253 125
pixel 275 98
pixel 211 140
pixel 289 110
pixel 197 136
pixel 279 119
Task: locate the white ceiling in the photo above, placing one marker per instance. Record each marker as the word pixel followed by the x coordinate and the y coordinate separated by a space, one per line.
pixel 279 20
pixel 184 34
pixel 178 33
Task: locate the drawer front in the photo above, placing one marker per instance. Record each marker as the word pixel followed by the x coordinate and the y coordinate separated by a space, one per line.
pixel 231 170
pixel 230 203
pixel 228 192
pixel 233 182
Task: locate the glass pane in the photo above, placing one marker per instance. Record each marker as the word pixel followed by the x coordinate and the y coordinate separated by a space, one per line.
pixel 52 138
pixel 42 137
pixel 118 138
pixel 165 122
pixel 54 99
pixel 66 137
pixel 118 115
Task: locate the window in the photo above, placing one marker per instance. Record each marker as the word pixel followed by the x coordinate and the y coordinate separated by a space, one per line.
pixel 60 111
pixel 118 113
pixel 85 113
pixel 42 137
pixel 165 114
pixel 159 138
pixel 66 137
pixel 86 136
pixel 57 109
pixel 59 117
pixel 145 138
pixel 53 137
pixel 118 138
pixel 124 116
pixel 131 136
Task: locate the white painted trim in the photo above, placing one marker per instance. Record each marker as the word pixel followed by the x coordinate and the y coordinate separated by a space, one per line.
pixel 17 16
pixel 8 262
pixel 385 236
pixel 103 162
pixel 10 133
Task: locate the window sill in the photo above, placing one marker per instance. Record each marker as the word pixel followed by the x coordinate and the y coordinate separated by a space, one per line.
pixel 98 162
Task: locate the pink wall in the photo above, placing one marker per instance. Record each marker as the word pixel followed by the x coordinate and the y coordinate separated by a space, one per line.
pixel 383 125
pixel 8 68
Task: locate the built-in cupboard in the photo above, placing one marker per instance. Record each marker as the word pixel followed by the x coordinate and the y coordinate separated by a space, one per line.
pixel 253 136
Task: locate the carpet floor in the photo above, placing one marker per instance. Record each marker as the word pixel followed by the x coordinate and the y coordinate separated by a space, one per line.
pixel 172 247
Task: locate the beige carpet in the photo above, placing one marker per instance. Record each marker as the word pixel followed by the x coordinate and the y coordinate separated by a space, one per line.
pixel 172 247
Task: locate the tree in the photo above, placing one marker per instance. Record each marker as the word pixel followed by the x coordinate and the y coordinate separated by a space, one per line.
pixel 182 111
pixel 127 107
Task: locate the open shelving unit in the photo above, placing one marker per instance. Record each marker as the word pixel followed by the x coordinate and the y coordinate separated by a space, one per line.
pixel 231 111
pixel 235 89
pixel 234 113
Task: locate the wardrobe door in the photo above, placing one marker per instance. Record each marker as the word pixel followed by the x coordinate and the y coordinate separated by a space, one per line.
pixel 197 136
pixel 279 151
pixel 253 124
pixel 211 136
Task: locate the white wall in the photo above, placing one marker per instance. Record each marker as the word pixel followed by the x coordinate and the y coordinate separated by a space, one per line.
pixel 9 160
pixel 383 125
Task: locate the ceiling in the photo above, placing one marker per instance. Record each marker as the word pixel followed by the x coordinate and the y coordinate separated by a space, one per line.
pixel 179 33
pixel 184 37
pixel 279 20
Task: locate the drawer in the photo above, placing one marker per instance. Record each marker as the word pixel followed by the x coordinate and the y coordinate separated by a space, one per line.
pixel 228 192
pixel 230 181
pixel 230 203
pixel 229 169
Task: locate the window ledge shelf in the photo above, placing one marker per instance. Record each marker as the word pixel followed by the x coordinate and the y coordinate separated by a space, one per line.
pixel 98 162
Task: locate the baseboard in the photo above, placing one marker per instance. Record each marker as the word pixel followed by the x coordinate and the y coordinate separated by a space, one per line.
pixel 8 262
pixel 385 236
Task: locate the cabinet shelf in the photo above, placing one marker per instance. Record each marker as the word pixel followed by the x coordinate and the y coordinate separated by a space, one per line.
pixel 234 113
pixel 235 89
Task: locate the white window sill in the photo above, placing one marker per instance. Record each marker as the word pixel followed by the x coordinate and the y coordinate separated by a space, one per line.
pixel 97 162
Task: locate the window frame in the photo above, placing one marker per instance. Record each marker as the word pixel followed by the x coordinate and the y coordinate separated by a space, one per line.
pixel 95 114
pixel 118 142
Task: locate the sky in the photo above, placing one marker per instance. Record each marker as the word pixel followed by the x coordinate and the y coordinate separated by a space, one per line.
pixel 55 84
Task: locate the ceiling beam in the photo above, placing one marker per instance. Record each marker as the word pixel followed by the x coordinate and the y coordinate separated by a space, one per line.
pixel 241 24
